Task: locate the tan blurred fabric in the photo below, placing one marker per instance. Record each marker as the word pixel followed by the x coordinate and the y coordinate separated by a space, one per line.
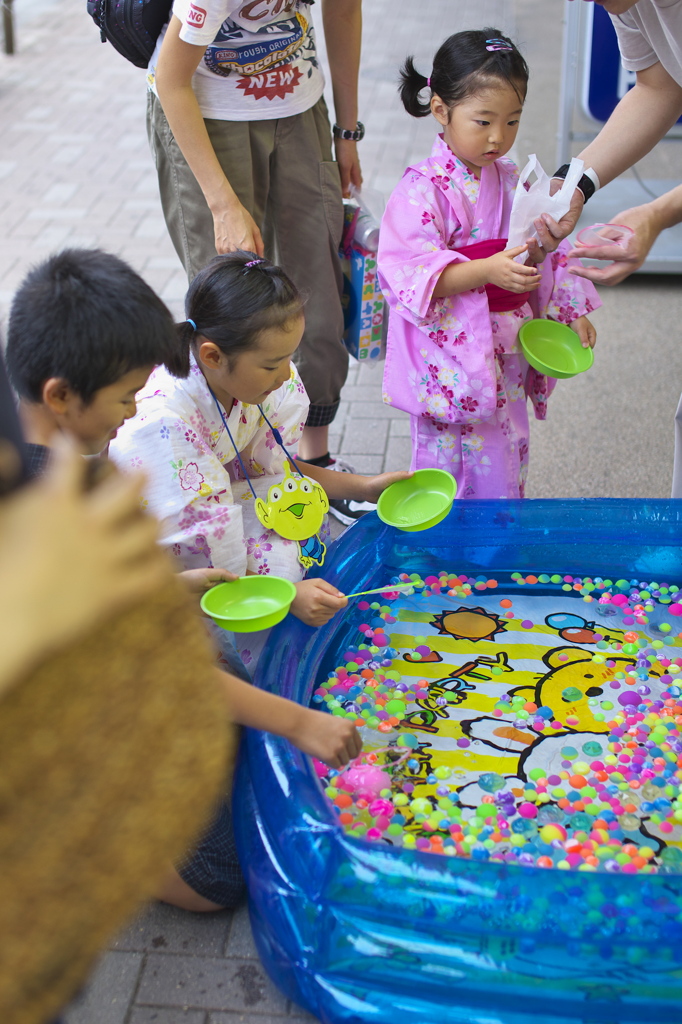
pixel 112 756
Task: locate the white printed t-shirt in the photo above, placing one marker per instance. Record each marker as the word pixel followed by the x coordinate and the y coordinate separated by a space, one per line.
pixel 260 60
pixel 651 31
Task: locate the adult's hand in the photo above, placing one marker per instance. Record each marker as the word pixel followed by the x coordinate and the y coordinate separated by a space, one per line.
pixel 552 232
pixel 645 223
pixel 349 164
pixel 235 228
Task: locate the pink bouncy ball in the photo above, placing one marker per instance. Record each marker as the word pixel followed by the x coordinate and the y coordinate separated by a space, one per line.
pixel 367 780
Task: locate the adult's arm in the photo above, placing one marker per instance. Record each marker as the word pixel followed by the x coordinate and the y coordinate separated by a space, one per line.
pixel 640 120
pixel 234 226
pixel 342 20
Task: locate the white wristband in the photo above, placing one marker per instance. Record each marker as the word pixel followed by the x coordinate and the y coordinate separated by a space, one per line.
pixel 590 173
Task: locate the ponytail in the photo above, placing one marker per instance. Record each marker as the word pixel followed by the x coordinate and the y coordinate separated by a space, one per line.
pixel 465 63
pixel 178 362
pixel 411 84
pixel 230 302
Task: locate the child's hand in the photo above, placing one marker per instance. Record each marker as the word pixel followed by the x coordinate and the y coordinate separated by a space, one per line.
pixel 585 331
pixel 514 277
pixel 329 738
pixel 317 601
pixel 536 254
pixel 374 486
pixel 199 580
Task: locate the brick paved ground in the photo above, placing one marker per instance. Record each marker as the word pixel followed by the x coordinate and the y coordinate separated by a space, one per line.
pixel 75 170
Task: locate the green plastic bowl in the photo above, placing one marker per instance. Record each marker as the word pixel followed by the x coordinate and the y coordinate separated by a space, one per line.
pixel 554 349
pixel 418 502
pixel 250 603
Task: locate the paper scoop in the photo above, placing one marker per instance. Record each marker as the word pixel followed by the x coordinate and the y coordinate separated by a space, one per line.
pixel 605 234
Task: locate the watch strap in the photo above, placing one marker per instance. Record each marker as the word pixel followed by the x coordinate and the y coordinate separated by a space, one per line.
pixel 588 184
pixel 351 134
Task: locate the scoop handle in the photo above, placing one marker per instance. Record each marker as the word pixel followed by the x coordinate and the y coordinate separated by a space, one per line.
pixel 381 590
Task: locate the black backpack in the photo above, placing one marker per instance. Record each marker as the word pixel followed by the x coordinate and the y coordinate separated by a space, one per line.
pixel 131 26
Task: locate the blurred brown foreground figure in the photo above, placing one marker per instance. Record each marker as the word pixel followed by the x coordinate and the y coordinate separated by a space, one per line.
pixel 114 743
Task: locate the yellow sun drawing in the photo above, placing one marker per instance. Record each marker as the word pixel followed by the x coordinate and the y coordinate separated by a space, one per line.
pixel 469 624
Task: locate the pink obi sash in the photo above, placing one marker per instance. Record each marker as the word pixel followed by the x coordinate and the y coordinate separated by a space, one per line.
pixel 499 299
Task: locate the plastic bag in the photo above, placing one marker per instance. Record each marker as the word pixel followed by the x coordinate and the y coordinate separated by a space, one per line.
pixel 531 203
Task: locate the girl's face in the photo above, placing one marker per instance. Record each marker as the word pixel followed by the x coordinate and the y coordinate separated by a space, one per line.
pixel 253 374
pixel 482 127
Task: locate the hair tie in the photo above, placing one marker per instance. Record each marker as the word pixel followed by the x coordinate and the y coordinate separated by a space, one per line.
pixel 188 321
pixel 498 44
pixel 428 82
pixel 254 263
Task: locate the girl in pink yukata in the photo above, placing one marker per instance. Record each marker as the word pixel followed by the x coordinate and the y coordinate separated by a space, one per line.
pixel 457 296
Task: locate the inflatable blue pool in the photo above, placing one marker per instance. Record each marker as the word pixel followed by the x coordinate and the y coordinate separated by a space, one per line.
pixel 357 931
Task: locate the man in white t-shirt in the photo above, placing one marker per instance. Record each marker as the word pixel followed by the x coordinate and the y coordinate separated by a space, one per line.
pixel 239 130
pixel 650 42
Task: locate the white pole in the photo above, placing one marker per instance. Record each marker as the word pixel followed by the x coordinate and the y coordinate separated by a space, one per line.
pixel 569 79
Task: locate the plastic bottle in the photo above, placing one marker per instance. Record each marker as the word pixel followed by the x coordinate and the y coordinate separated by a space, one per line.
pixel 366 232
pixel 371 206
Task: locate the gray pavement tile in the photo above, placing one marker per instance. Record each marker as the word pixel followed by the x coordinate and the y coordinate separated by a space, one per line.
pixel 299 1016
pixel 398 453
pixel 159 1015
pixel 67 156
pixel 57 213
pixel 162 928
pixel 375 407
pixel 353 370
pixel 249 1018
pixel 164 263
pixel 366 464
pixel 240 938
pixel 371 373
pixel 295 1016
pixel 60 193
pixel 209 983
pixel 365 436
pixel 106 998
pixel 400 427
pixel 367 393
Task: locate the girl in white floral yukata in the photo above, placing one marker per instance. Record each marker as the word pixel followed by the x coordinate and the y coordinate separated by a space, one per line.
pixel 457 296
pixel 231 392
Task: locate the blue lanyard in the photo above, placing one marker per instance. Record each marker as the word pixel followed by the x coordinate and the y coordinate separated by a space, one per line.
pixel 275 433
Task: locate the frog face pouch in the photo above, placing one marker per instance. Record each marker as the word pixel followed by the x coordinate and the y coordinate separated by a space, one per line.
pixel 295 509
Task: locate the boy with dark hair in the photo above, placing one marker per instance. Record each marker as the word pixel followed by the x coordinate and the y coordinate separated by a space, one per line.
pixel 85 332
